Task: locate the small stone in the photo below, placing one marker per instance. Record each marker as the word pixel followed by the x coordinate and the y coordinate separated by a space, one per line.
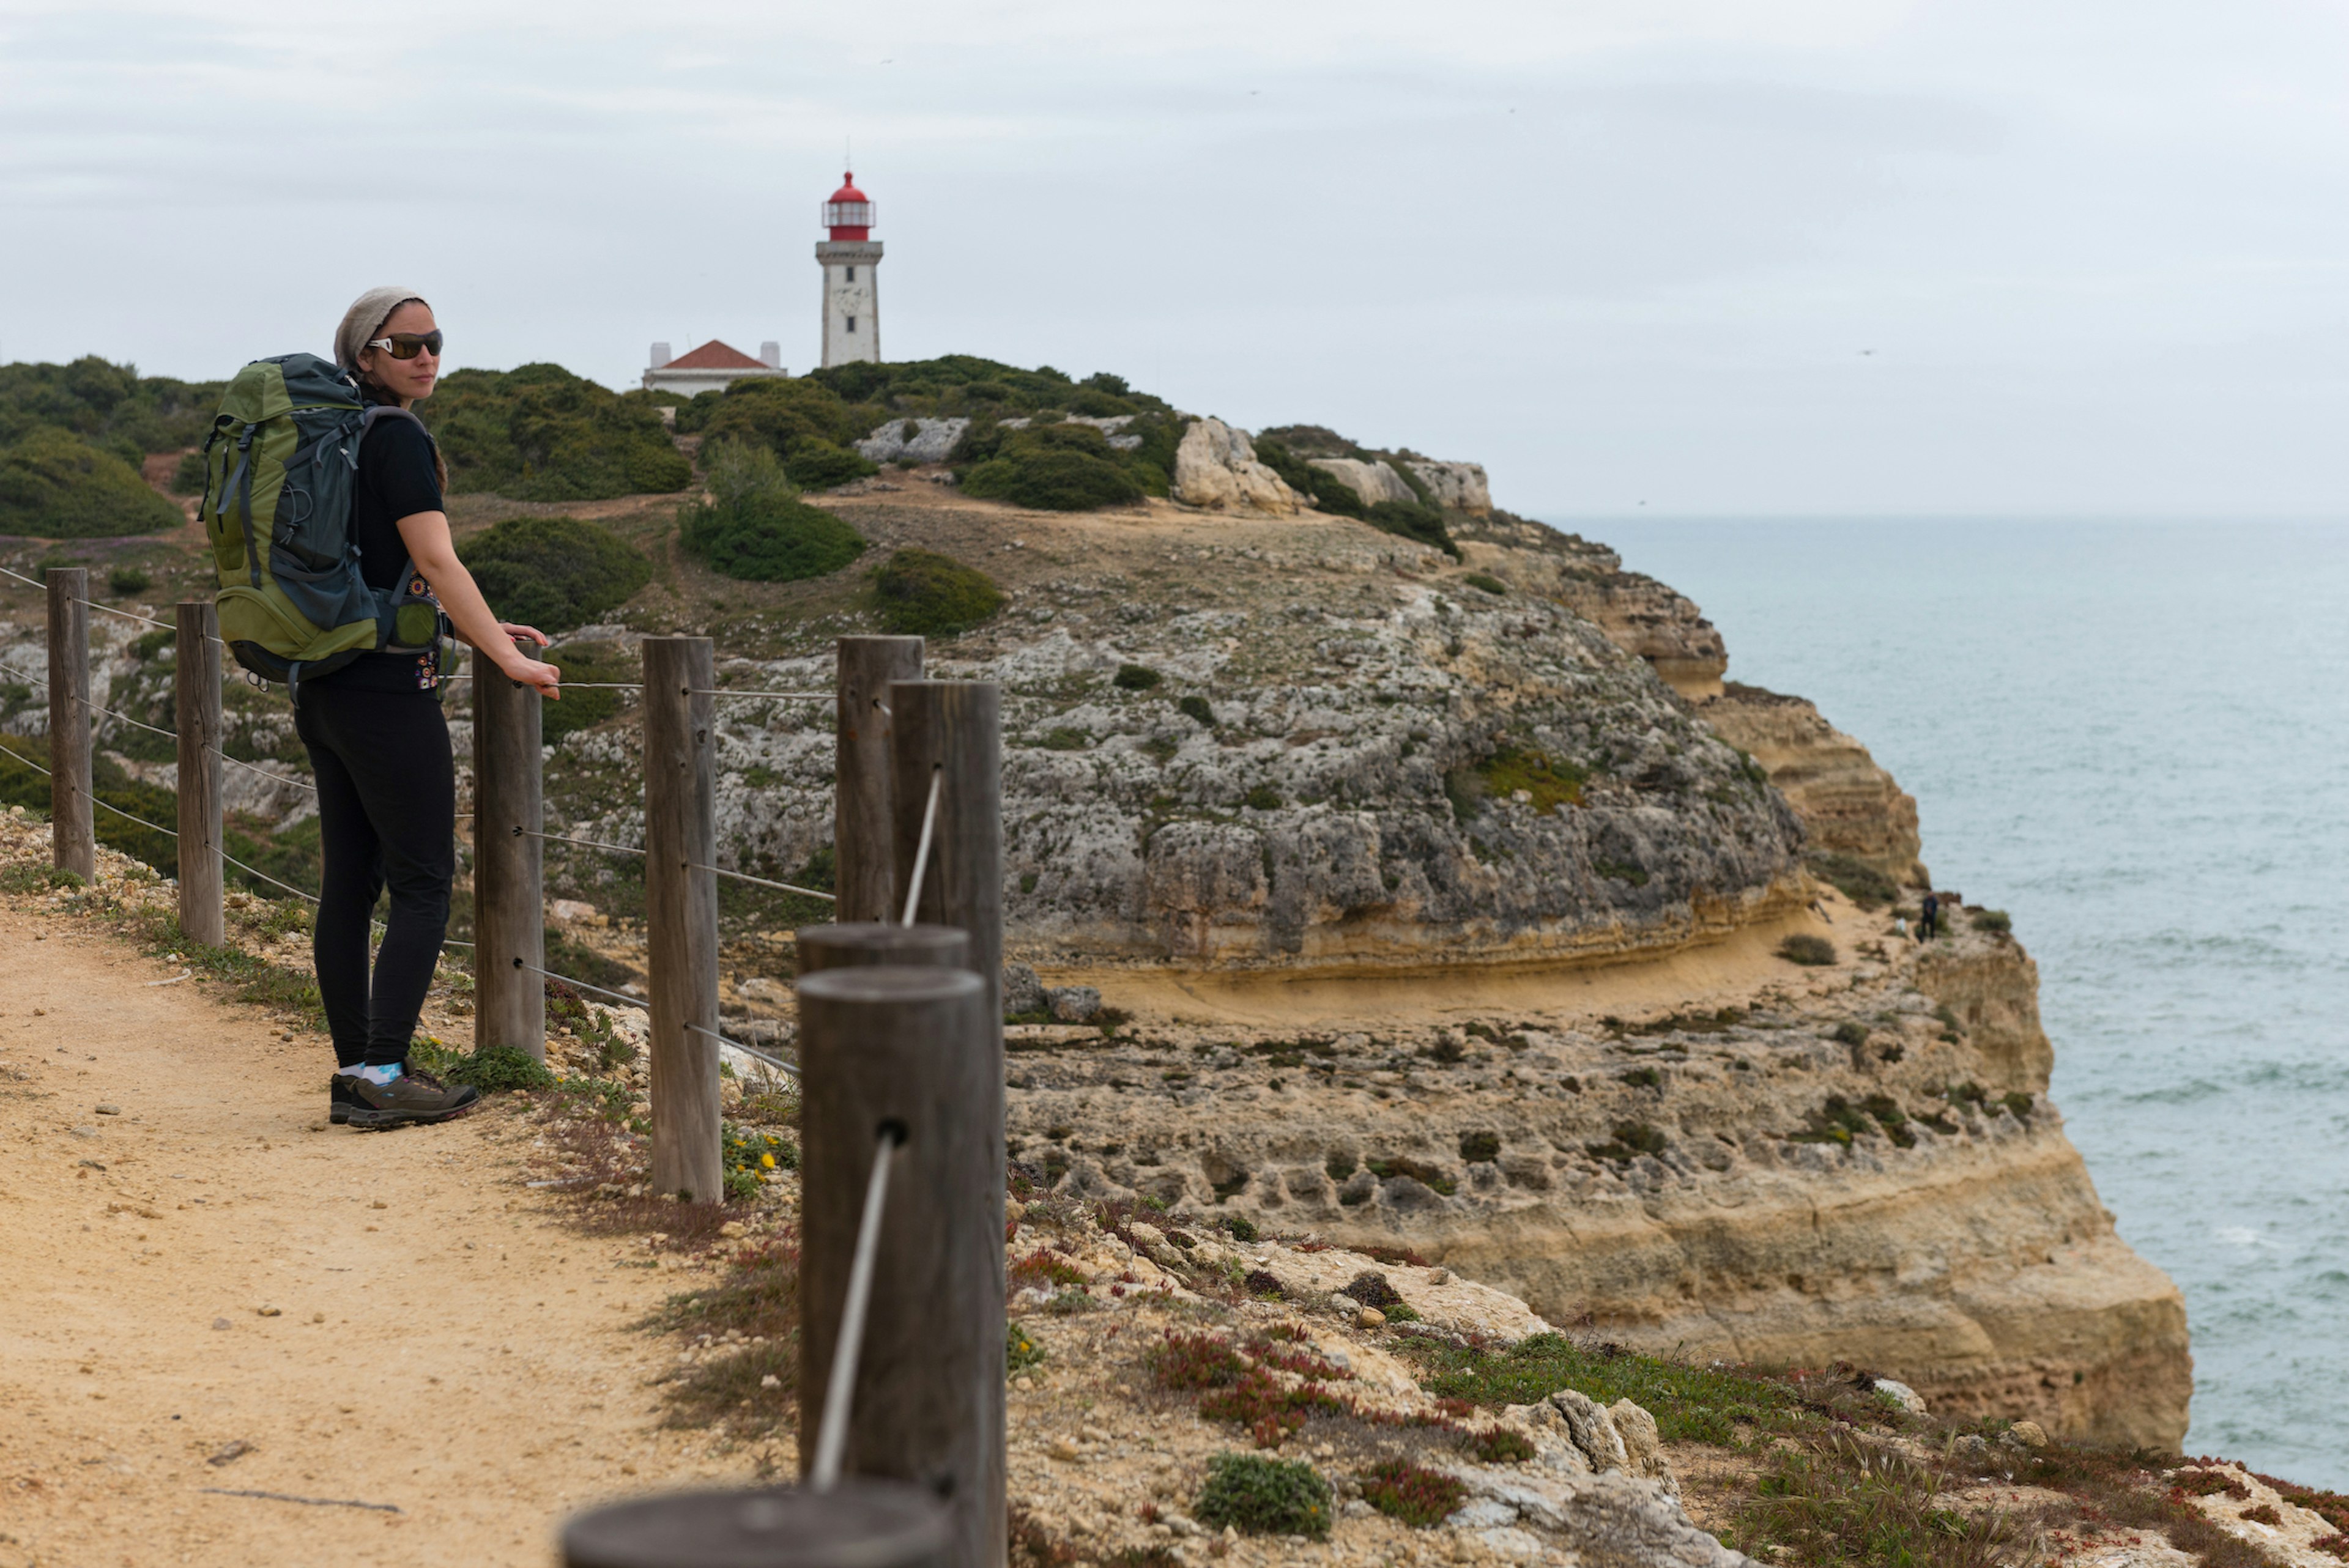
pixel 2030 1434
pixel 85 1133
pixel 1065 1448
pixel 770 1381
pixel 1014 1211
pixel 269 1312
pixel 733 1228
pixel 1370 1317
pixel 220 1322
pixel 379 1204
pixel 1901 1395
pixel 109 1111
pixel 1439 1276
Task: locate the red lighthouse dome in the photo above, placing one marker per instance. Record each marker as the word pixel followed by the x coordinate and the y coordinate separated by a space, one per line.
pixel 848 213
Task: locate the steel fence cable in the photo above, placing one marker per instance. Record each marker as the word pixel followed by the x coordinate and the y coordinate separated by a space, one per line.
pixel 922 851
pixel 784 695
pixel 839 1386
pixel 761 881
pixel 110 610
pixel 772 1062
pixel 13 755
pixel 522 832
pixel 250 768
pixel 265 876
pixel 137 723
pixel 639 1003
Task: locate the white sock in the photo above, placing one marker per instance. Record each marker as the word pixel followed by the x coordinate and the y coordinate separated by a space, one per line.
pixel 380 1075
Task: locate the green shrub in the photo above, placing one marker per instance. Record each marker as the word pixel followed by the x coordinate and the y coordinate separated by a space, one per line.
pixel 1486 580
pixel 1549 780
pixel 1021 1349
pixel 495 1067
pixel 54 485
pixel 125 580
pixel 112 407
pixel 588 705
pixel 554 572
pixel 1631 1139
pixel 1478 1147
pixel 540 433
pixel 1054 477
pixel 1419 1497
pixel 818 465
pixel 1853 877
pixel 782 415
pixel 1690 1402
pixel 1996 921
pixel 1196 707
pixel 1413 520
pixel 1814 951
pixel 191 473
pixel 1305 478
pixel 1265 1497
pixel 923 594
pixel 1850 1032
pixel 1135 678
pixel 1262 797
pixel 755 527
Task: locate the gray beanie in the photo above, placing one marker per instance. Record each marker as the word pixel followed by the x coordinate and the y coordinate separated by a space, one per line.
pixel 365 320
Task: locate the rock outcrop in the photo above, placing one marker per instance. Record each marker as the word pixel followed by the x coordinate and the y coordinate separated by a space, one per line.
pixel 1216 470
pixel 913 441
pixel 1461 487
pixel 1848 805
pixel 1374 481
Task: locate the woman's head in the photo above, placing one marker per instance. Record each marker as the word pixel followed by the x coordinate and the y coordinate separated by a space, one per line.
pixel 380 326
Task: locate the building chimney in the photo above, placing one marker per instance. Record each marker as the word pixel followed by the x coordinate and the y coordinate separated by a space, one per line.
pixel 771 355
pixel 661 355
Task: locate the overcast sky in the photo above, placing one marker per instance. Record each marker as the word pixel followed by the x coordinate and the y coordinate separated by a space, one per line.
pixel 1702 256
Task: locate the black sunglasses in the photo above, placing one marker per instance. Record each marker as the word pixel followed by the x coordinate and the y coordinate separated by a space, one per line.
pixel 409 345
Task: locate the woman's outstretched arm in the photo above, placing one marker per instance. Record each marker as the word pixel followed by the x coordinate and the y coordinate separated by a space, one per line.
pixel 426 534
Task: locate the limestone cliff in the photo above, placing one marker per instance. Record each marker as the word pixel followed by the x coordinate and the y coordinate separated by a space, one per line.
pixel 1847 804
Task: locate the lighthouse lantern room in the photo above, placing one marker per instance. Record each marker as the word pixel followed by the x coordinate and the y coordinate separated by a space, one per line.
pixel 852 311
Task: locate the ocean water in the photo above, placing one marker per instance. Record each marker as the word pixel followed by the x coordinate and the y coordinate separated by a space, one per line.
pixel 2135 739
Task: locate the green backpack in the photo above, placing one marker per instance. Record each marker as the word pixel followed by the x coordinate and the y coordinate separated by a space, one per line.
pixel 278 468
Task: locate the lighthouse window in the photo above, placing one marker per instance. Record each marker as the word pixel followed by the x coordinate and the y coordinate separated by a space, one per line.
pixel 852 275
pixel 851 324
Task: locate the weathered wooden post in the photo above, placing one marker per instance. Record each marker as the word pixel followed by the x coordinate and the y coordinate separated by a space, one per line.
pixel 196 715
pixel 890 1048
pixel 867 943
pixel 509 894
pixel 861 830
pixel 681 916
pixel 73 838
pixel 857 1524
pixel 948 733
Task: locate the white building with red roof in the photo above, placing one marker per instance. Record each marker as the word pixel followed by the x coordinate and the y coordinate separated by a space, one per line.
pixel 712 367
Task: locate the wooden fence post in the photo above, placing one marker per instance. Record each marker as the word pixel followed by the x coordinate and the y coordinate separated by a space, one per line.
pixel 951 731
pixel 906 1048
pixel 196 715
pixel 681 916
pixel 509 894
pixel 864 875
pixel 867 943
pixel 73 838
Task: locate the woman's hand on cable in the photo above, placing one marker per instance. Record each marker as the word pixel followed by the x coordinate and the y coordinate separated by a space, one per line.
pixel 522 670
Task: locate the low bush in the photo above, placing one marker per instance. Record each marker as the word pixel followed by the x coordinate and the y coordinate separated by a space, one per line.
pixel 1811 951
pixel 54 485
pixel 597 666
pixel 1053 478
pixel 1850 1032
pixel 1995 921
pixel 1478 1147
pixel 1487 581
pixel 820 465
pixel 1261 1496
pixel 1842 1500
pixel 125 580
pixel 1371 1289
pixel 1630 1140
pixel 1135 678
pixel 1413 520
pixel 494 1069
pixel 1262 797
pixel 1692 1403
pixel 1196 709
pixel 1853 877
pixel 754 526
pixel 191 474
pixel 920 593
pixel 554 572
pixel 1419 1497
pixel 1551 781
pixel 540 433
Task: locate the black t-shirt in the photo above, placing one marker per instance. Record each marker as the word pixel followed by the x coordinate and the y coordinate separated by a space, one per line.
pixel 395 478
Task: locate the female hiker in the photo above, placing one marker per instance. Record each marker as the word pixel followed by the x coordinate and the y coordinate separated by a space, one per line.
pixel 380 746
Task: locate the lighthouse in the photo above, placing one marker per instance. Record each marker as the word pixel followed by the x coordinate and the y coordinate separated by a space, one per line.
pixel 851 310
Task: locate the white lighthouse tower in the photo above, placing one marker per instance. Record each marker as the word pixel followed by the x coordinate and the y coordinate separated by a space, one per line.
pixel 852 309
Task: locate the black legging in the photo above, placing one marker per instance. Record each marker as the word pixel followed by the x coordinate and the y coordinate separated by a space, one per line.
pixel 386 810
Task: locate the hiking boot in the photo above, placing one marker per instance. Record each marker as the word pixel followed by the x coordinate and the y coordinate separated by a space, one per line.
pixel 413 1097
pixel 338 1097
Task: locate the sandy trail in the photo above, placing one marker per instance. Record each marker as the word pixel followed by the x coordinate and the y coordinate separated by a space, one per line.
pixel 442 1343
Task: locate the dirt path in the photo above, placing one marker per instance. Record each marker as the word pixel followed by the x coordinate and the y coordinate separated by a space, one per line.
pixel 439 1342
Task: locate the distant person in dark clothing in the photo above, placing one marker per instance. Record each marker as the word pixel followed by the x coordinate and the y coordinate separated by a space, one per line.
pixel 1929 926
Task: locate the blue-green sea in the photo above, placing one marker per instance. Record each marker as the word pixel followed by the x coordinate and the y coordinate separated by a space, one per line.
pixel 2134 737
